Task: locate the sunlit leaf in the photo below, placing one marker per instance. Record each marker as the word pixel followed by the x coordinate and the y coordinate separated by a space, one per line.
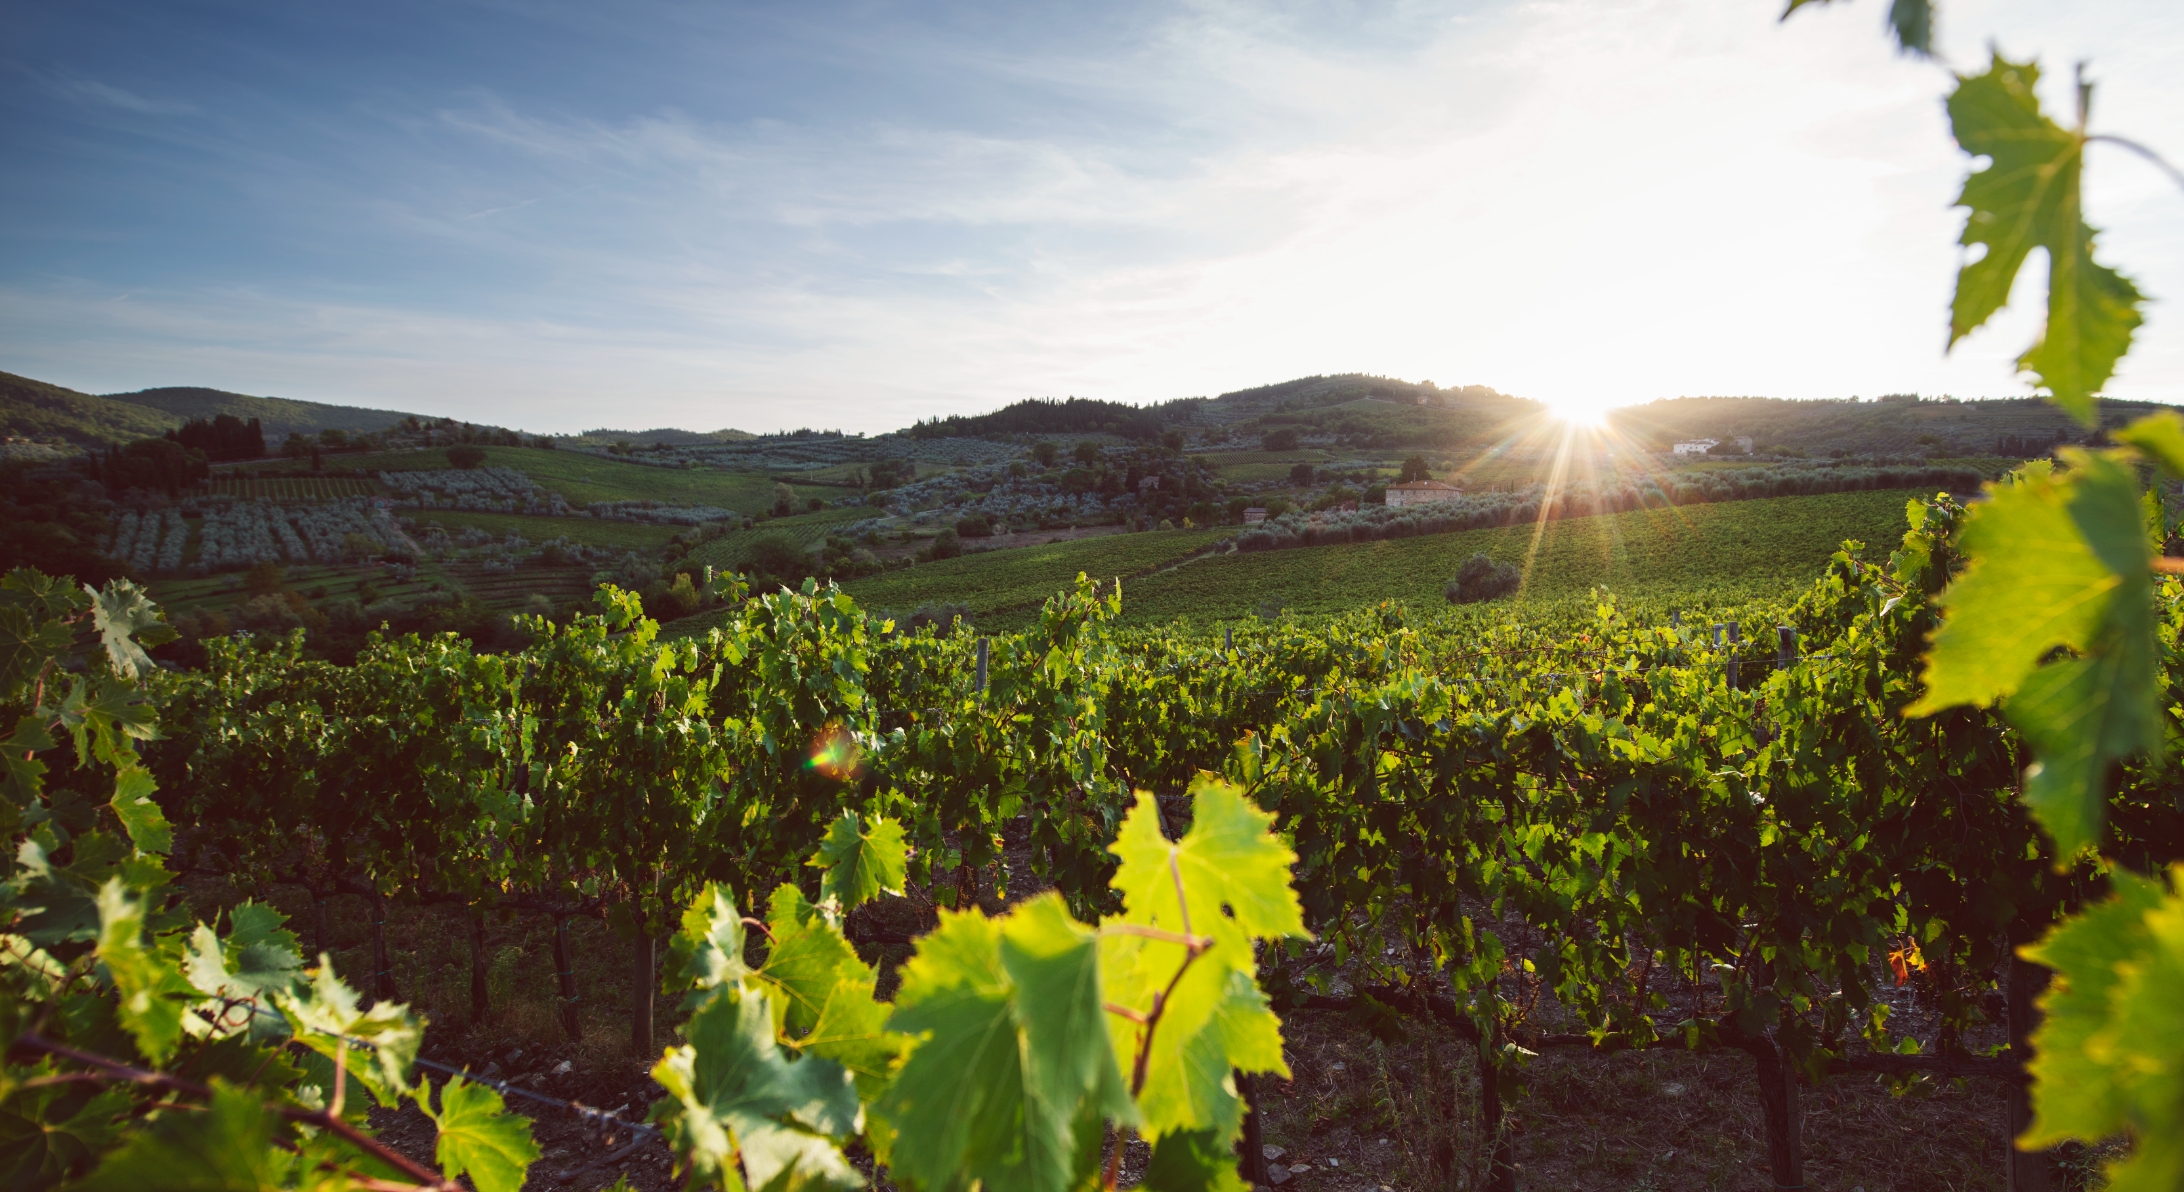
pixel 478 1137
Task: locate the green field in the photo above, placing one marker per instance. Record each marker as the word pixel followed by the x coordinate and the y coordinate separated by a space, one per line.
pixel 290 489
pixel 583 478
pixel 805 528
pixel 1732 551
pixel 585 530
pixel 1024 577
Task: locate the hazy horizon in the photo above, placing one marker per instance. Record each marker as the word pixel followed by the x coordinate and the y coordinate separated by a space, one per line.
pixel 855 216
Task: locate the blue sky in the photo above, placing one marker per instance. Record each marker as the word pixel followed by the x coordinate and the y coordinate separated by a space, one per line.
pixel 563 215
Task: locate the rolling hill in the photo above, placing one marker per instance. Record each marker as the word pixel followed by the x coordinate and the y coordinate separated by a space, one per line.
pixel 35 410
pixel 280 416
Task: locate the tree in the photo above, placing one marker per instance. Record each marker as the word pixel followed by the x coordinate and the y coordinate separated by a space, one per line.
pixel 333 437
pixel 1301 474
pixel 1172 440
pixel 466 455
pixel 1414 470
pixel 1046 453
pixel 296 447
pixel 777 558
pixel 1087 452
pixel 1284 439
pixel 947 544
pixel 784 500
pixel 1481 578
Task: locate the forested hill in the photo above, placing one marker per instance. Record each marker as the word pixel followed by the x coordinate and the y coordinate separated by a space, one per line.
pixel 1069 416
pixel 38 410
pixel 280 416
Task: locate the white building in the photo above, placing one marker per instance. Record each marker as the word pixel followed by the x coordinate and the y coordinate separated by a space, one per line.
pixel 1697 446
pixel 1421 492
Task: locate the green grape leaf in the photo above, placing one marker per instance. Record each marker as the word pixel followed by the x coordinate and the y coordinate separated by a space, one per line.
pixel 37 1151
pixel 479 1137
pixel 2026 198
pixel 1912 21
pixel 852 1031
pixel 2161 436
pixel 128 621
pixel 145 970
pixel 1193 1161
pixel 707 953
pixel 2110 1016
pixel 1234 881
pixel 861 865
pixel 732 1093
pixel 140 816
pixel 324 1013
pixel 1012 1063
pixel 809 958
pixel 2056 561
pixel 226 1148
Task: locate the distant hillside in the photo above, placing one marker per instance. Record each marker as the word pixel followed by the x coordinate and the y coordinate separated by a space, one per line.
pixel 34 409
pixel 1901 424
pixel 604 437
pixel 279 416
pixel 1069 416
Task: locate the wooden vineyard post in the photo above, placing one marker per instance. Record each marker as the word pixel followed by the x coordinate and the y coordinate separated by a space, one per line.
pixel 383 974
pixel 565 972
pixel 1501 1165
pixel 480 1002
pixel 1228 637
pixel 1253 1143
pixel 983 645
pixel 643 979
pixel 1735 638
pixel 1778 1103
pixel 1785 646
pixel 2029 1170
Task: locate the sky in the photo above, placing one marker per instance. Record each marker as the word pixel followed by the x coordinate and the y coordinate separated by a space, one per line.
pixel 561 215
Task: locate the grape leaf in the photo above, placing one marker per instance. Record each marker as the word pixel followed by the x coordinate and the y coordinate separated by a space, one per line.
pixel 325 1012
pixel 707 953
pixel 1013 1063
pixel 1912 21
pixel 861 865
pixel 38 1151
pixel 128 621
pixel 2161 436
pixel 2109 1014
pixel 2056 561
pixel 140 816
pixel 2026 198
pixel 144 970
pixel 808 959
pixel 478 1136
pixel 732 1093
pixel 1193 1161
pixel 227 1148
pixel 1234 878
pixel 852 1031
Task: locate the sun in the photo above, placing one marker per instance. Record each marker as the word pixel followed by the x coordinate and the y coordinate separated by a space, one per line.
pixel 1578 413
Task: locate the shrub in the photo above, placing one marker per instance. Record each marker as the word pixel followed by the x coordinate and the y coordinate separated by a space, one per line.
pixel 784 500
pixel 1284 439
pixel 776 557
pixel 1301 474
pixel 974 525
pixel 941 618
pixel 1046 453
pixel 1481 578
pixel 816 504
pixel 947 544
pixel 466 455
pixel 265 579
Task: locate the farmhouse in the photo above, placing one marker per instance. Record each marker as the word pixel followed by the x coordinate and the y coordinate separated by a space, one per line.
pixel 1697 446
pixel 1421 492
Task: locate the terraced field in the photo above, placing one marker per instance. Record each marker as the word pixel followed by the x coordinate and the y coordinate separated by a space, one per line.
pixel 805 528
pixel 586 478
pixel 586 530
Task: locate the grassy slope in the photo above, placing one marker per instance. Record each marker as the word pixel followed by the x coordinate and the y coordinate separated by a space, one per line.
pixel 1707 553
pixel 36 409
pixel 585 478
pixel 1024 577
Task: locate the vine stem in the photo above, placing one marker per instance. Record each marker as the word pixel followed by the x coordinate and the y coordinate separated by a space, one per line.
pixel 116 1070
pixel 1194 946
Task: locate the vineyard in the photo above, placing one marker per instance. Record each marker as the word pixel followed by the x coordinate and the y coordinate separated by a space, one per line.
pixel 280 489
pixel 1647 834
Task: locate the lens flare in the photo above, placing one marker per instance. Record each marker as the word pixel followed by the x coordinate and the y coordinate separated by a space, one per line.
pixel 835 753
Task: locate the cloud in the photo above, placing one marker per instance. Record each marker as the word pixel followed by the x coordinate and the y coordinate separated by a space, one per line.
pixel 91 91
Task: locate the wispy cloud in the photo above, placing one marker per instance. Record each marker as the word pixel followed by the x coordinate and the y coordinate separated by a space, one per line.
pixel 92 91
